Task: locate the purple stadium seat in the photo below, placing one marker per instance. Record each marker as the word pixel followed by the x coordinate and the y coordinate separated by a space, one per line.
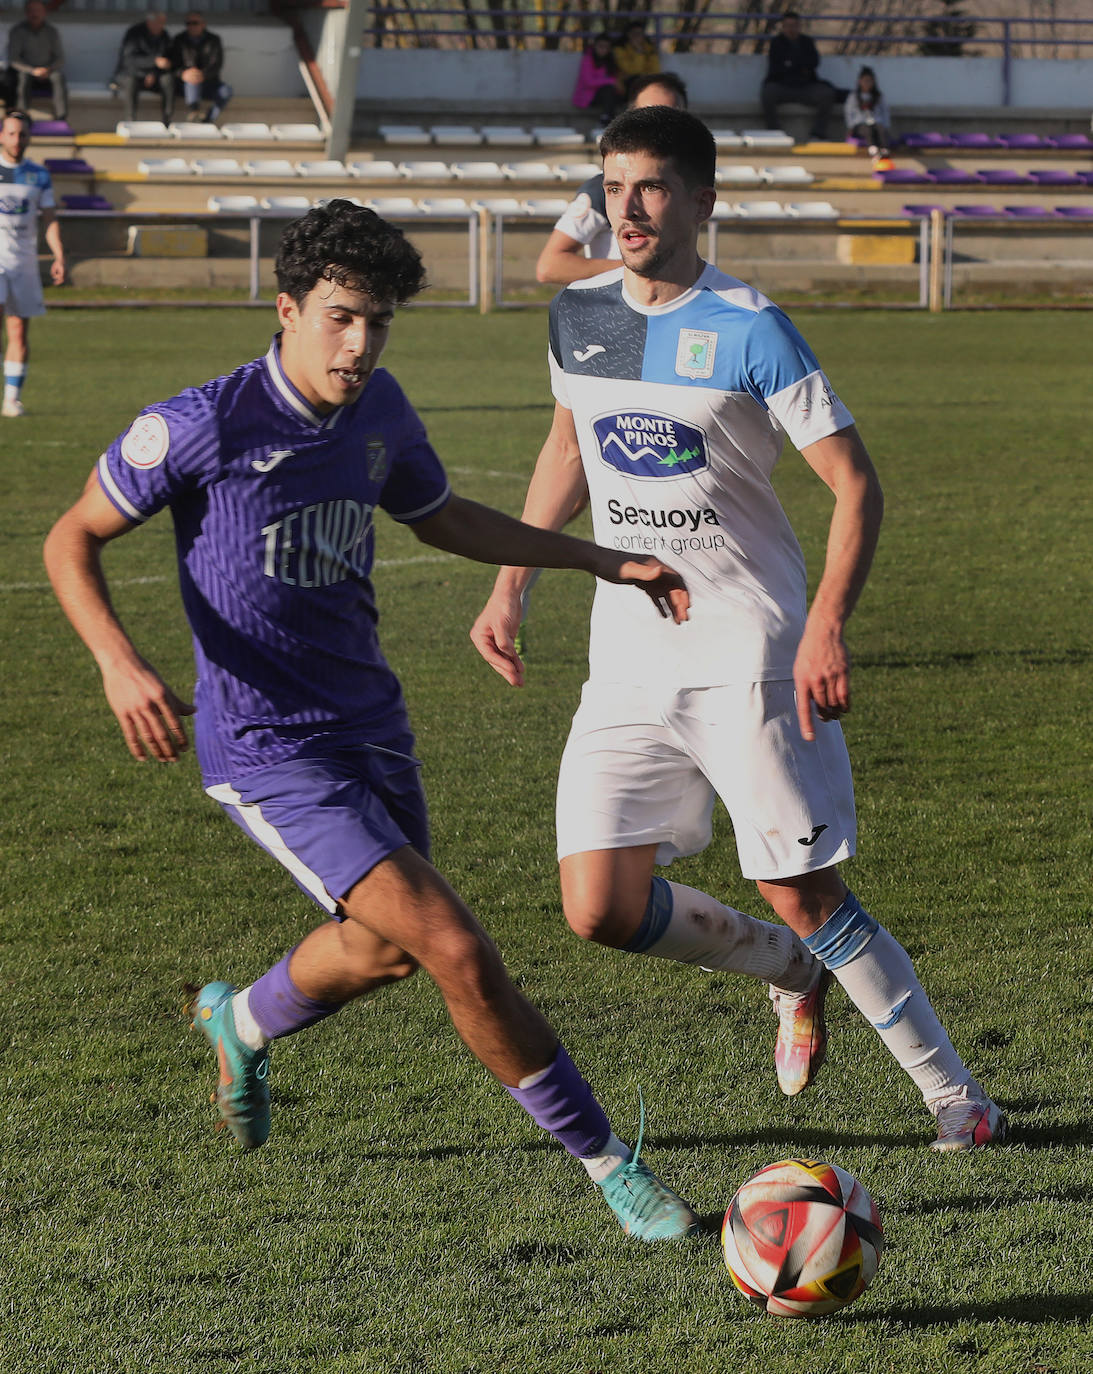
pixel 922 209
pixel 1055 176
pixel 1081 142
pixel 1085 177
pixel 1075 211
pixel 51 128
pixel 1028 211
pixel 953 176
pixel 85 203
pixel 903 176
pixel 976 211
pixel 1003 176
pixel 72 166
pixel 927 140
pixel 1023 141
pixel 976 141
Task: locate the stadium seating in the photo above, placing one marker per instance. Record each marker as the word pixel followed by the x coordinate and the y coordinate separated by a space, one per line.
pixel 760 209
pixel 141 128
pixel 813 209
pixel 392 205
pixel 164 167
pixel 444 205
pixel 270 168
pixel 425 171
pixel 1003 176
pixel 378 169
pixel 297 133
pixel 194 133
pixel 286 204
pixel 549 205
pixel 558 136
pixel 499 205
pixel 218 167
pixel 766 138
pixel 85 202
pixel 787 176
pixel 234 205
pixel 68 166
pixel 249 133
pixel 507 135
pixel 576 172
pixel 1054 176
pixel 528 171
pixel 410 134
pixel 455 134
pixel 742 174
pixel 477 171
pixel 322 167
pixel 727 138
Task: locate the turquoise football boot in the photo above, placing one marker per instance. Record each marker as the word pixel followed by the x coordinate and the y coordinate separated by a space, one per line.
pixel 646 1208
pixel 243 1091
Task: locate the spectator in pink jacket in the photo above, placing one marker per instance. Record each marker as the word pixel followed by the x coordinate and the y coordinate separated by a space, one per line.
pixel 599 86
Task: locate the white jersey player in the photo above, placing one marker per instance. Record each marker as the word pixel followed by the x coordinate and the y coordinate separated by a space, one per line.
pixel 674 385
pixel 26 201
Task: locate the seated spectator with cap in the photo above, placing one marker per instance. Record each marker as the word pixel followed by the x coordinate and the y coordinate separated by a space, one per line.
pixel 792 61
pixel 144 64
pixel 36 55
pixel 197 55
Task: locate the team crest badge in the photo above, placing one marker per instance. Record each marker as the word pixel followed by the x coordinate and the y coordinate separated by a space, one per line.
pixel 695 353
pixel 376 451
pixel 146 444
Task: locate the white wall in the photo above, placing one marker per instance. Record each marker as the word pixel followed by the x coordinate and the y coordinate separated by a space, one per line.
pixel 259 58
pixel 470 81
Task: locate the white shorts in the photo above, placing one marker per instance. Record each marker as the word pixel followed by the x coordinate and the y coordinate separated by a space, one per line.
pixel 643 766
pixel 21 291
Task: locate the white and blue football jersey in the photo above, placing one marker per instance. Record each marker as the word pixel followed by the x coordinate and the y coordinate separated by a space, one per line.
pixel 680 411
pixel 25 189
pixel 273 512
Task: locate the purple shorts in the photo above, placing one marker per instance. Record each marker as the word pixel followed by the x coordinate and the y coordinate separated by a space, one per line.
pixel 331 819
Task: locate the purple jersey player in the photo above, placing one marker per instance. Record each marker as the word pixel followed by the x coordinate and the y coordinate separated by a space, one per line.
pixel 272 475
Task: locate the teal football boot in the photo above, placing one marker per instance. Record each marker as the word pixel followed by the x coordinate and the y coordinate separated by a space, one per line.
pixel 242 1093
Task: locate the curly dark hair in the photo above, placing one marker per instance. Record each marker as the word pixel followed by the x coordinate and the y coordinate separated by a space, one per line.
pixel 665 133
pixel 351 246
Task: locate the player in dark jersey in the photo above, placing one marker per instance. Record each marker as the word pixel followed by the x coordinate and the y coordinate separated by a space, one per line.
pixel 272 475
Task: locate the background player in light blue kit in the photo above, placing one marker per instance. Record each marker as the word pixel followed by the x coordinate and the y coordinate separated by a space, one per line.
pixel 26 200
pixel 273 475
pixel 674 384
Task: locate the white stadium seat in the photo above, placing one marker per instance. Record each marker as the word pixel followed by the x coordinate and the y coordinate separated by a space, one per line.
pixel 727 138
pixel 576 172
pixel 164 167
pixel 477 171
pixel 253 133
pixel 194 133
pixel 739 175
pixel 511 134
pixel 444 205
pixel 297 133
pixel 425 171
pixel 499 205
pixel 722 210
pixel 277 167
pixel 549 205
pixel 788 176
pixel 234 205
pixel 374 169
pixel 813 209
pixel 558 136
pixel 393 205
pixel 455 134
pixel 141 128
pixel 529 171
pixel 761 209
pixel 766 138
pixel 322 167
pixel 411 134
pixel 284 204
pixel 217 167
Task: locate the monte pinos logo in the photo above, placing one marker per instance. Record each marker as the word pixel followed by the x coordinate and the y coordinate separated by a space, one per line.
pixel 643 443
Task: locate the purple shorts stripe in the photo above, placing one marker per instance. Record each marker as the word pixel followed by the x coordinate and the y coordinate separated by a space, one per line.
pixel 330 820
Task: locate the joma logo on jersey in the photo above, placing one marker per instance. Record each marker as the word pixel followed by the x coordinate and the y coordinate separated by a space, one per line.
pixel 645 444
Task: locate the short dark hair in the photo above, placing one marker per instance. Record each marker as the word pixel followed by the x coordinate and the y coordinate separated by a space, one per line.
pixel 788 14
pixel 351 246
pixel 669 80
pixel 20 115
pixel 666 133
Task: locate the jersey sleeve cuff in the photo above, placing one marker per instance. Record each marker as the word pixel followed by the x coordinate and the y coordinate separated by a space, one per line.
pixel 115 495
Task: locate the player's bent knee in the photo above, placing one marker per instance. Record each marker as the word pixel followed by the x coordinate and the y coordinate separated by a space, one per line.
pixel 603 923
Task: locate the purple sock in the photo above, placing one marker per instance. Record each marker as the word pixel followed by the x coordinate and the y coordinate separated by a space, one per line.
pixel 278 1005
pixel 562 1103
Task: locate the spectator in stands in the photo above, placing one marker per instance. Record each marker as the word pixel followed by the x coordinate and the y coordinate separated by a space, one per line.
pixel 197 56
pixel 636 55
pixel 599 86
pixel 866 114
pixel 144 64
pixel 791 76
pixel 35 54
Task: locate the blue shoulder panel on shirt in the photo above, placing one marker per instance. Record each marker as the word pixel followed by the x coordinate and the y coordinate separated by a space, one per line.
pixel 713 343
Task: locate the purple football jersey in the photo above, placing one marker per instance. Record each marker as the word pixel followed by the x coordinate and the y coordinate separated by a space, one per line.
pixel 273 511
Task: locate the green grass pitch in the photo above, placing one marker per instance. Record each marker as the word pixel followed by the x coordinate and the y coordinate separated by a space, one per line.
pixel 405 1216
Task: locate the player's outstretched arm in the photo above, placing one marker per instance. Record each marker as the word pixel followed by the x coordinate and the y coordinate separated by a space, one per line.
pixel 821 672
pixel 147 710
pixel 562 260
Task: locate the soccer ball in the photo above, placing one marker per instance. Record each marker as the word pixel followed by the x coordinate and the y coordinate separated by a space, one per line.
pixel 802 1238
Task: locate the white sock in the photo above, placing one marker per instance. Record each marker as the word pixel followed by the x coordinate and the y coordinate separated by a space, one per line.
pixel 246 1027
pixel 614 1154
pixel 694 928
pixel 880 980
